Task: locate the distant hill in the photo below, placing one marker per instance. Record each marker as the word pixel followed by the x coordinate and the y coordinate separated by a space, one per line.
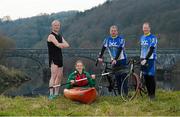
pixel 28 31
pixel 88 29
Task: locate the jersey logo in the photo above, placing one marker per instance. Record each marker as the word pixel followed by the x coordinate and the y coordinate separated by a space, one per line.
pixel 144 42
pixel 113 44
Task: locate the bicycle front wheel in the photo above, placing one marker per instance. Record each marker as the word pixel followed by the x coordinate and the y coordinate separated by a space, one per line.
pixel 129 87
pixel 103 87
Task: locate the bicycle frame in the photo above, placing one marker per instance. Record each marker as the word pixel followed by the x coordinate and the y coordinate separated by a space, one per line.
pixel 106 75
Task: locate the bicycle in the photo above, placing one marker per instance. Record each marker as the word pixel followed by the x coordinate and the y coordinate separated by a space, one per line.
pixel 135 84
pixel 107 83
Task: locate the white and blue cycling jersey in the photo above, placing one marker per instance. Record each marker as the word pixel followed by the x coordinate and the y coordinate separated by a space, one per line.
pixel 148 41
pixel 113 45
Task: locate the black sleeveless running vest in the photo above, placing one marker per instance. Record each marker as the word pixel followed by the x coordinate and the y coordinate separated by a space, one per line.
pixel 55 53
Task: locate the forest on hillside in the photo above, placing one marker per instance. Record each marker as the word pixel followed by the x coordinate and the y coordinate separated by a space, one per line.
pixel 88 29
pixel 27 32
pixel 93 25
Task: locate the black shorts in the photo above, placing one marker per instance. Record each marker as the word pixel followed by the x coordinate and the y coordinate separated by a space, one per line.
pixel 58 62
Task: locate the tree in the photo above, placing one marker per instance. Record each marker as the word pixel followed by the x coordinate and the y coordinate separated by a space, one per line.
pixel 6 19
pixel 5 43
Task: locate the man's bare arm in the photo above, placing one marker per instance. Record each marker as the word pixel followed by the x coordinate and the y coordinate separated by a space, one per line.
pixel 52 39
pixel 65 43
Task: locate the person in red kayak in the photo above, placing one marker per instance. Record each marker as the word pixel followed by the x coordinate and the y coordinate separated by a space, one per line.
pixel 80 77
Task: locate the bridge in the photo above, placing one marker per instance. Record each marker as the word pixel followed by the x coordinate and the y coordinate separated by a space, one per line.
pixel 166 57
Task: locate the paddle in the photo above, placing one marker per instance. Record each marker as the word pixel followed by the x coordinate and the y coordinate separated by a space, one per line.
pixel 67 83
pixel 103 74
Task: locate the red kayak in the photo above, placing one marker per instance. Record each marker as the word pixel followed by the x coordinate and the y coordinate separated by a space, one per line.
pixel 83 95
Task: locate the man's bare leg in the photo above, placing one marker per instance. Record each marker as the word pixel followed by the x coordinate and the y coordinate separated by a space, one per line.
pixel 58 79
pixel 54 69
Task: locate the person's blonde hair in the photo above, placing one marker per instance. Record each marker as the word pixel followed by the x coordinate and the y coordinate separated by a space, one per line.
pixel 79 61
pixel 55 21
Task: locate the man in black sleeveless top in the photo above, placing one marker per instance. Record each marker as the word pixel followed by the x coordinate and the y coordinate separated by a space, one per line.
pixel 55 43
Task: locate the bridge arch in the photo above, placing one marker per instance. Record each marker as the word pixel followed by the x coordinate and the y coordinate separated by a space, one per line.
pixel 80 56
pixel 27 57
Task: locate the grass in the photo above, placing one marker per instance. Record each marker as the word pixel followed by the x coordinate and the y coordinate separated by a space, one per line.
pixel 166 103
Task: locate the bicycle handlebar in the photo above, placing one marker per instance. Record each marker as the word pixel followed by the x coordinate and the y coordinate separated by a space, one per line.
pixel 106 62
pixel 135 62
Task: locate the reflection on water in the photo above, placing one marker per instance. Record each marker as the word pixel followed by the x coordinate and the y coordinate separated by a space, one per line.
pixel 168 79
pixel 26 88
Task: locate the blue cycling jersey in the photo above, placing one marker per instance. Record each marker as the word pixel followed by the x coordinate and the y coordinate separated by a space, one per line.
pixel 148 41
pixel 113 44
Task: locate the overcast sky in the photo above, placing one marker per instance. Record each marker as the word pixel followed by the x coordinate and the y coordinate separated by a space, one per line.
pixel 27 8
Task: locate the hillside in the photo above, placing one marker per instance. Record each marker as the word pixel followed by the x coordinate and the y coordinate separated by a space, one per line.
pixel 93 25
pixel 26 32
pixel 88 29
pixel 166 104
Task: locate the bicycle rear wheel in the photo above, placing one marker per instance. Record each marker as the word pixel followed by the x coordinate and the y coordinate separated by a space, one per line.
pixel 129 87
